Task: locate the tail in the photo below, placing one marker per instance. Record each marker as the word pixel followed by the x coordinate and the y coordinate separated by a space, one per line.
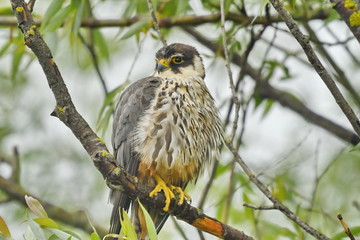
pixel 159 218
pixel 120 201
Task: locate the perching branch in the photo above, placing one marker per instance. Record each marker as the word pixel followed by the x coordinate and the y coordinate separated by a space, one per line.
pixel 317 65
pixel 116 177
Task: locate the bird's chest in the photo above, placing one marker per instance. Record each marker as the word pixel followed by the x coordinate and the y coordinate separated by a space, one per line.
pixel 173 134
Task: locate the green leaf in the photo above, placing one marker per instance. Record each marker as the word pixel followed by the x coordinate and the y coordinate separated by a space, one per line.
pixel 58 19
pixel 54 7
pixel 135 28
pixel 5 48
pixel 62 235
pixel 150 226
pixel 46 222
pixel 131 7
pixel 16 60
pixel 94 236
pixel 227 4
pixel 36 230
pixel 101 44
pixel 182 7
pixel 268 105
pixel 78 16
pixel 4 230
pixel 127 227
pixel 36 207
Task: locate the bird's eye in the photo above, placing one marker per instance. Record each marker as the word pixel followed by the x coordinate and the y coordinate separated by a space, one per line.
pixel 177 60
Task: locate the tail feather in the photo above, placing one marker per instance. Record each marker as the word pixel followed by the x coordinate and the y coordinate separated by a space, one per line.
pixel 120 201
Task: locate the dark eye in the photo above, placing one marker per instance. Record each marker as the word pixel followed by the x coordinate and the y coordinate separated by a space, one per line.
pixel 177 60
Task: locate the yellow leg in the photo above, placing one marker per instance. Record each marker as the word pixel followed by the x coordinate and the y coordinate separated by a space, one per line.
pixel 161 186
pixel 168 192
pixel 182 195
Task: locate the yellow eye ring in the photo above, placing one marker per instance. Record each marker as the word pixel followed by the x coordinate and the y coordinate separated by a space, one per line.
pixel 177 60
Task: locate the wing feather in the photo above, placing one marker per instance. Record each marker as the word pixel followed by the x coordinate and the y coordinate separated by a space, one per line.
pixel 133 103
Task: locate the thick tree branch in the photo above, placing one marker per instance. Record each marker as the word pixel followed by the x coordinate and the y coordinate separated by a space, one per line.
pixel 268 91
pixel 317 65
pixel 116 177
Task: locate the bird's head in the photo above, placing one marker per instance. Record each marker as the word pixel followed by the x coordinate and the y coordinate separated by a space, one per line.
pixel 179 60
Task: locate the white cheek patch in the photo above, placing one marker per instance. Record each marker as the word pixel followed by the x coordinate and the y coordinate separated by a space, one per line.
pixel 198 66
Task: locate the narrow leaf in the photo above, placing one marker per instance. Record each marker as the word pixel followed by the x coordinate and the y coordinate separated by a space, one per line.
pixel 63 235
pixel 78 17
pixel 94 236
pixel 101 44
pixel 127 227
pixel 36 230
pixel 150 226
pixel 54 7
pixel 58 19
pixel 36 207
pixel 133 29
pixel 4 230
pixel 46 222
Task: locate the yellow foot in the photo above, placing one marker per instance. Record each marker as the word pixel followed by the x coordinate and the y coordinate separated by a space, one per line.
pixel 182 195
pixel 161 186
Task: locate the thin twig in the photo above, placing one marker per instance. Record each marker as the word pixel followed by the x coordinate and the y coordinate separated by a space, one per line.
pixel 94 58
pixel 228 68
pixel 259 207
pixel 346 228
pixel 319 68
pixel 276 203
pixel 155 22
pixel 208 185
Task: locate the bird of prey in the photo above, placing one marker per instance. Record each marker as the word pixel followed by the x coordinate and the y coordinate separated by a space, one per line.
pixel 166 129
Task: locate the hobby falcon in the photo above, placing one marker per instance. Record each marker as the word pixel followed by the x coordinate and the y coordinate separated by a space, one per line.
pixel 166 130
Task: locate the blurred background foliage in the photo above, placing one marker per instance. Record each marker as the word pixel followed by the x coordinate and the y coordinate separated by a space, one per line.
pixel 101 46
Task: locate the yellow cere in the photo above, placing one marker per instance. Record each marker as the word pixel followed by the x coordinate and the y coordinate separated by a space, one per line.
pixel 354 19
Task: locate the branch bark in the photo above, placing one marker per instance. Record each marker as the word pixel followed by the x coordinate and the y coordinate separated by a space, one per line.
pixel 116 177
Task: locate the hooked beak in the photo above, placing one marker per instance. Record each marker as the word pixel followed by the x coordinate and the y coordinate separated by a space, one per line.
pixel 162 65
